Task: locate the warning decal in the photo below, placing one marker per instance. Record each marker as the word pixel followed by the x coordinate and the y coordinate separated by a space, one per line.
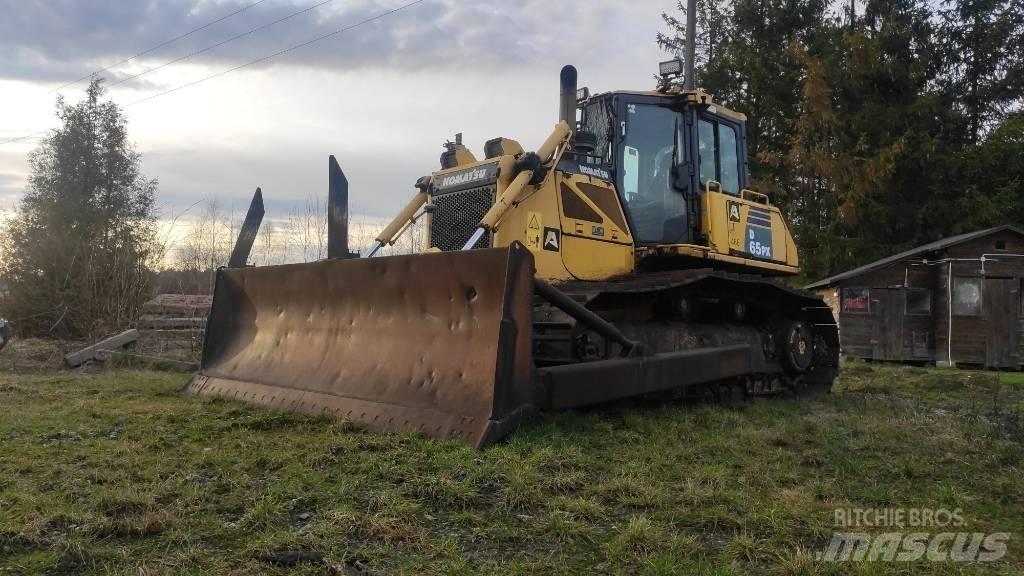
pixel 533 226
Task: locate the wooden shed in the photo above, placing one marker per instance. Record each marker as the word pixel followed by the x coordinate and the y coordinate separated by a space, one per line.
pixel 954 301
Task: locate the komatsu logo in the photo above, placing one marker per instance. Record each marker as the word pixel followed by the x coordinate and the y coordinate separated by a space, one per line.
pixel 463 178
pixel 595 172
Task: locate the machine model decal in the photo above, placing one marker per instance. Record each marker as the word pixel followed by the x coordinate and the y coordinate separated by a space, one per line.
pixel 533 225
pixel 759 232
pixel 552 239
pixel 470 178
pixel 759 242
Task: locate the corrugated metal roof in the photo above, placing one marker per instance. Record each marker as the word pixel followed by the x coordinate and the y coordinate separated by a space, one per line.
pixel 923 249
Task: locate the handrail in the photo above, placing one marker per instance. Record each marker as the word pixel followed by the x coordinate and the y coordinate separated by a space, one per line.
pixel 708 204
pixel 755 196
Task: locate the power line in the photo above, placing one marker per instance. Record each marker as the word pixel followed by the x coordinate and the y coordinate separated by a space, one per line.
pixel 20 138
pixel 250 63
pixel 279 52
pixel 222 42
pixel 161 45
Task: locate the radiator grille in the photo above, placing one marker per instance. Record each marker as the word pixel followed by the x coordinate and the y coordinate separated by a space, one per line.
pixel 456 215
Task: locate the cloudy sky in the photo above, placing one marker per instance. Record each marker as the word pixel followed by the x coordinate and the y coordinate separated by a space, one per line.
pixel 382 96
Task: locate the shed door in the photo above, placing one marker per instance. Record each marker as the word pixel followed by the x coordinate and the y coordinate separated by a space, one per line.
pixel 887 310
pixel 1000 300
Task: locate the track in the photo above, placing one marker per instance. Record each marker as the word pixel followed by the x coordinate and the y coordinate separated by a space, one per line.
pixel 789 334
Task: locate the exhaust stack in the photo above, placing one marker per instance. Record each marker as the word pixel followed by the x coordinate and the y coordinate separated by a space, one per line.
pixel 567 96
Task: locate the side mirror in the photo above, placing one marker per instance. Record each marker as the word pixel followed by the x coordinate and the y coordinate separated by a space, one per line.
pixel 680 178
pixel 585 142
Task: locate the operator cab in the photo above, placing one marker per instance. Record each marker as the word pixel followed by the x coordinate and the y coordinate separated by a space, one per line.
pixel 664 150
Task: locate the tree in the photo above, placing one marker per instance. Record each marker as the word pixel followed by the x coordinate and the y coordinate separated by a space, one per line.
pixel 993 176
pixel 885 142
pixel 984 50
pixel 79 251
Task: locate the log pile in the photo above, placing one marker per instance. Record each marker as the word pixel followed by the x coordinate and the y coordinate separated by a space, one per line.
pixel 172 321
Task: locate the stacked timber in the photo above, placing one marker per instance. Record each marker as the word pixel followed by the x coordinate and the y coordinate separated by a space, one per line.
pixel 174 321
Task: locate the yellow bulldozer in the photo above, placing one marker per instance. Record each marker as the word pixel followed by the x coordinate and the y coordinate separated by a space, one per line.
pixel 626 256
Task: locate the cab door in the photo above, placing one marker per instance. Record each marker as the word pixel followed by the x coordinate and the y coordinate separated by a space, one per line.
pixel 648 145
pixel 720 161
pixel 741 222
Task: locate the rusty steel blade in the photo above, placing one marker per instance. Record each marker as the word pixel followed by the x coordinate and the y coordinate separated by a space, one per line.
pixel 437 342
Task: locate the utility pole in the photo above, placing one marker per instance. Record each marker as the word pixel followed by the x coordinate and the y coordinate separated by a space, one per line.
pixel 691 43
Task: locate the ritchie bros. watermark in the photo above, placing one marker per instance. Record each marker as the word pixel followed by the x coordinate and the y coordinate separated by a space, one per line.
pixel 910 534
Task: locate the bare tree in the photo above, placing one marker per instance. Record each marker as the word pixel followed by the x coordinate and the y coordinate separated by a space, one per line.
pixel 307 231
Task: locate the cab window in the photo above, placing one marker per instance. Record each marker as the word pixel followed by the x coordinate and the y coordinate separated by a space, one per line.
pixel 708 151
pixel 597 119
pixel 728 172
pixel 648 155
pixel 719 154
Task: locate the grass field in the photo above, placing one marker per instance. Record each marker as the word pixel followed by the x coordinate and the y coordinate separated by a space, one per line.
pixel 115 472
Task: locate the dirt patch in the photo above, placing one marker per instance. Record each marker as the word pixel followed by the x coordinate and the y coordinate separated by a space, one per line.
pixel 36 354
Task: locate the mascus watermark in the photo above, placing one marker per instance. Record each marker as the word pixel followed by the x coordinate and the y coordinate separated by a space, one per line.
pixel 910 542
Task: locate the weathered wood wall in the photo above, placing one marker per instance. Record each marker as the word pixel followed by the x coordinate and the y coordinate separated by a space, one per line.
pixel 971 334
pixel 888 333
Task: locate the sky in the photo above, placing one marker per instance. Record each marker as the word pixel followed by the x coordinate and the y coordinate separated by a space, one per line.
pixel 382 96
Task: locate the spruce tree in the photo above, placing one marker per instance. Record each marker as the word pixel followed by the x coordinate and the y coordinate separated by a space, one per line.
pixel 78 252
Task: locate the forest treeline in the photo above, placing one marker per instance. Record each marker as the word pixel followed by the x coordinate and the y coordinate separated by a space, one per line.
pixel 876 126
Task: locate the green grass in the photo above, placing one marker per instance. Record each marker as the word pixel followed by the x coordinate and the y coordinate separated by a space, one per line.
pixel 116 473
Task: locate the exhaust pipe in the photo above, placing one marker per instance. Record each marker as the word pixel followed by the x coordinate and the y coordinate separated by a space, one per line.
pixel 567 97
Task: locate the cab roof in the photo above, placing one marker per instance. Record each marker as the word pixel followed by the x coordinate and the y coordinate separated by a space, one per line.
pixel 699 97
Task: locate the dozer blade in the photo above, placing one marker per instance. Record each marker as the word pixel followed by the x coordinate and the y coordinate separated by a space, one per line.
pixel 436 342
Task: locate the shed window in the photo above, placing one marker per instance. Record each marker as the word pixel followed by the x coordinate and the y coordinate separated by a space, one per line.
pixel 1001 245
pixel 919 301
pixel 857 300
pixel 966 296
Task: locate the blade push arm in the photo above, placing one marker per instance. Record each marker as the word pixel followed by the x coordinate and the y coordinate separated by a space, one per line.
pixel 398 224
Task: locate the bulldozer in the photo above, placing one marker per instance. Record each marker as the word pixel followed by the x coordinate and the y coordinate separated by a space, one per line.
pixel 627 256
